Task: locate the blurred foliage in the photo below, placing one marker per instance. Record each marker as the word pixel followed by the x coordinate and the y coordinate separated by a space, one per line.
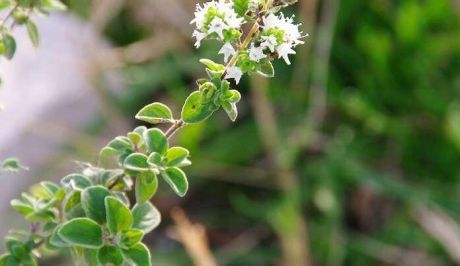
pixel 391 139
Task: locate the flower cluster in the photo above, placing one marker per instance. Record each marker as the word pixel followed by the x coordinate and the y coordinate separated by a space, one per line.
pixel 276 36
pixel 217 20
pixel 280 34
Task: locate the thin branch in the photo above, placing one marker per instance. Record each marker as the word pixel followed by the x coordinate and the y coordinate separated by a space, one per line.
pixel 8 15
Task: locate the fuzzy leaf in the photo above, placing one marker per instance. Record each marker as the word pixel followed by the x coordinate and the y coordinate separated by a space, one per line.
pixel 82 232
pixel 146 186
pixel 176 179
pixel 92 201
pixel 266 70
pixel 10 46
pixel 131 237
pixel 194 111
pixel 156 141
pixel 155 113
pixel 176 155
pixel 32 30
pixel 76 181
pixel 146 217
pixel 139 255
pixel 136 162
pixel 110 255
pixel 12 165
pixel 241 7
pixel 119 217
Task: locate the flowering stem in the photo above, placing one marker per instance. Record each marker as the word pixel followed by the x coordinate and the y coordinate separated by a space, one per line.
pixel 243 46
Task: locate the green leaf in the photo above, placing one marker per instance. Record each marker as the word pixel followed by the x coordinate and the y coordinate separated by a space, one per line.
pixel 139 255
pixel 136 162
pixel 50 187
pixel 4 4
pixel 119 217
pixel 82 232
pixel 146 186
pixel 155 159
pixel 131 237
pixel 156 141
pixel 72 206
pixel 231 110
pixel 92 201
pixel 44 215
pixel 10 45
pixel 241 7
pixel 146 217
pixel 32 30
pixel 155 113
pixel 12 165
pixel 118 146
pixel 194 111
pixel 110 255
pixel 56 240
pixel 266 70
pixel 76 181
pixel 22 207
pixel 177 179
pixel 176 155
pixel 234 96
pixel 212 65
pixel 90 256
pixel 8 260
pixel 54 5
pixel 15 247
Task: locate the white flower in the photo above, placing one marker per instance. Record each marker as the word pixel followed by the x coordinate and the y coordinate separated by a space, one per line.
pixel 234 22
pixel 269 42
pixel 217 26
pixel 234 73
pixel 292 35
pixel 284 50
pixel 199 37
pixel 256 53
pixel 228 51
pixel 215 17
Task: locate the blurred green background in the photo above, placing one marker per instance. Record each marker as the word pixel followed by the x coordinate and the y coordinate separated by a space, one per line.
pixel 349 157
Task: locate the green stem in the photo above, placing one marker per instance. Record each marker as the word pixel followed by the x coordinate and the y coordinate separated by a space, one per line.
pixel 10 13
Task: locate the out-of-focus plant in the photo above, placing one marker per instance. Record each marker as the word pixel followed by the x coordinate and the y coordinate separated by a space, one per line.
pixel 20 13
pixel 90 212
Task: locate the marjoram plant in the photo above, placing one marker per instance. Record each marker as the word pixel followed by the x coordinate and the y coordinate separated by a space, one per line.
pixel 90 213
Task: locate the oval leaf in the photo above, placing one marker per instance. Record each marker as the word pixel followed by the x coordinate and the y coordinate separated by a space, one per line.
pixel 146 217
pixel 156 141
pixel 82 232
pixel 92 201
pixel 32 30
pixel 155 113
pixel 110 255
pixel 131 237
pixel 136 162
pixel 139 255
pixel 194 111
pixel 176 155
pixel 119 217
pixel 146 186
pixel 177 179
